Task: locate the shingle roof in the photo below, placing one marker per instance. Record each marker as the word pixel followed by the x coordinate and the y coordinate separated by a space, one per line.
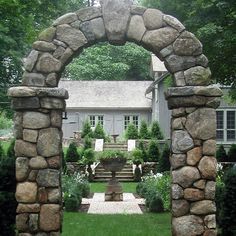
pixel 107 94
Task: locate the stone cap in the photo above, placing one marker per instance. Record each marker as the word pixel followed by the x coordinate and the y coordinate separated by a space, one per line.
pixel 23 91
pixel 186 91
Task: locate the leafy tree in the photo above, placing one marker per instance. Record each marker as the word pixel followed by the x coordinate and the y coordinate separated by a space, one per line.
pixel 156 131
pixel 143 131
pixel 131 132
pixel 164 162
pixel 213 22
pixel 221 154
pixel 153 151
pixel 99 132
pixel 108 62
pixel 72 155
pixel 232 153
pixel 87 131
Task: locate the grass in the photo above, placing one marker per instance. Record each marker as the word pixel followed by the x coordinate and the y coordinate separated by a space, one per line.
pixel 148 224
pixel 129 187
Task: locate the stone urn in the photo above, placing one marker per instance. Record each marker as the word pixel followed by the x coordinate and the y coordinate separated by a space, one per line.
pixel 114 190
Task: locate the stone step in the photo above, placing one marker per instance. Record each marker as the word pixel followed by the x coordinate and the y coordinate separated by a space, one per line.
pixel 107 179
pixel 124 171
pixel 117 174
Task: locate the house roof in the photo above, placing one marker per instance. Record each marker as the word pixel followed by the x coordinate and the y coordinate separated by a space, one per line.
pixel 107 94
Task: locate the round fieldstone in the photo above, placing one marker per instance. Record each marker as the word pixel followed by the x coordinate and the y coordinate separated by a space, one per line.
pixel 54 195
pixel 136 28
pixel 30 135
pixel 177 160
pixel 200 184
pixel 22 222
pixel 160 38
pixel 180 207
pixel 210 232
pixel 203 207
pixel 33 222
pixel 44 46
pixel 181 141
pixel 172 21
pixel 47 64
pixel 207 167
pixel 47 34
pixel 50 217
pixel 26 192
pixel 48 178
pixel 187 44
pixel 193 194
pixel 56 119
pixel 22 168
pixel 201 124
pixel 98 28
pixel 30 208
pixel 30 61
pixel 35 120
pixel 49 142
pixel 197 75
pixel 54 162
pixel 209 147
pixel 187 225
pixel 210 221
pixel 71 36
pixel 23 149
pixel 176 192
pixel 194 156
pixel 210 190
pixel 185 176
pixel 38 163
pixel 65 19
pixel 153 19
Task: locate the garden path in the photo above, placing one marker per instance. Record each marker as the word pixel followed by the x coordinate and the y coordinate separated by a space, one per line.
pixel 130 204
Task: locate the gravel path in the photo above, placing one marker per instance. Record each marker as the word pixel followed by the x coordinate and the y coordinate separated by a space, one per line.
pixel 128 206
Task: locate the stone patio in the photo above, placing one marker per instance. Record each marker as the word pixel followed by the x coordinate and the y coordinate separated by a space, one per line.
pixel 128 206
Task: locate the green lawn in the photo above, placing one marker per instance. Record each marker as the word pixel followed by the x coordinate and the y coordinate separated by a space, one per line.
pixel 129 187
pixel 148 224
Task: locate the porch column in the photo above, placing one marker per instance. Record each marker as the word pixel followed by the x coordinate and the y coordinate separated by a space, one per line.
pixel 193 163
pixel 38 147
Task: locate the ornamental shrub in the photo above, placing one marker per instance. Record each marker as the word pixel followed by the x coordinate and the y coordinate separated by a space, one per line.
pixel 99 132
pixel 89 156
pixel 86 131
pixel 156 204
pixel 131 132
pixel 228 222
pixel 219 199
pixel 137 156
pixel 143 131
pixel 232 153
pixel 142 147
pixel 221 154
pixel 87 143
pixel 72 203
pixel 7 193
pixel 137 174
pixel 72 155
pixel 153 151
pixel 156 131
pixel 164 161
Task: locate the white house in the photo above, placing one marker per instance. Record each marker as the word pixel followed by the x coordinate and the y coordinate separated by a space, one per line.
pixel 112 103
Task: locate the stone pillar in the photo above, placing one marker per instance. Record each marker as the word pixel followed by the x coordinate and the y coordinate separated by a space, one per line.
pixel 193 163
pixel 38 122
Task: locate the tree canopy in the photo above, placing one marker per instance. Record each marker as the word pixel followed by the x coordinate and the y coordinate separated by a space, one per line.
pixel 213 22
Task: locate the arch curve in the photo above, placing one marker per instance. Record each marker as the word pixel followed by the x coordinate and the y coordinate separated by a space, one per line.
pixel 39 104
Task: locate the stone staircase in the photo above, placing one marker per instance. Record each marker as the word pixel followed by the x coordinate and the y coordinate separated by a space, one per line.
pixel 115 146
pixel 125 175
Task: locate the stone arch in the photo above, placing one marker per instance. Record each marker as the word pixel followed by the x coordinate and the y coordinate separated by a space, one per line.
pixel 39 104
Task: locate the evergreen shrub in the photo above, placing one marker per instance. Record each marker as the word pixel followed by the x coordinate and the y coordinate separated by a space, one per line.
pixel 72 155
pixel 156 132
pixel 153 151
pixel 232 153
pixel 221 154
pixel 164 161
pixel 131 132
pixel 86 130
pixel 143 131
pixel 99 132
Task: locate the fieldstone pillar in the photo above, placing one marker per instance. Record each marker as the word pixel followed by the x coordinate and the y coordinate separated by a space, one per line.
pixel 38 122
pixel 193 163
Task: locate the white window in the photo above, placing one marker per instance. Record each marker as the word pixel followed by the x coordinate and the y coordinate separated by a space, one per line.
pixel 131 119
pixel 94 120
pixel 226 125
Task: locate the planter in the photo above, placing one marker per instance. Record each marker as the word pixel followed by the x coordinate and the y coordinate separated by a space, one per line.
pixel 114 190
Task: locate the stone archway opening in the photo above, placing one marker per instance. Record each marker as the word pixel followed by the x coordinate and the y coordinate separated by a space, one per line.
pixel 39 104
